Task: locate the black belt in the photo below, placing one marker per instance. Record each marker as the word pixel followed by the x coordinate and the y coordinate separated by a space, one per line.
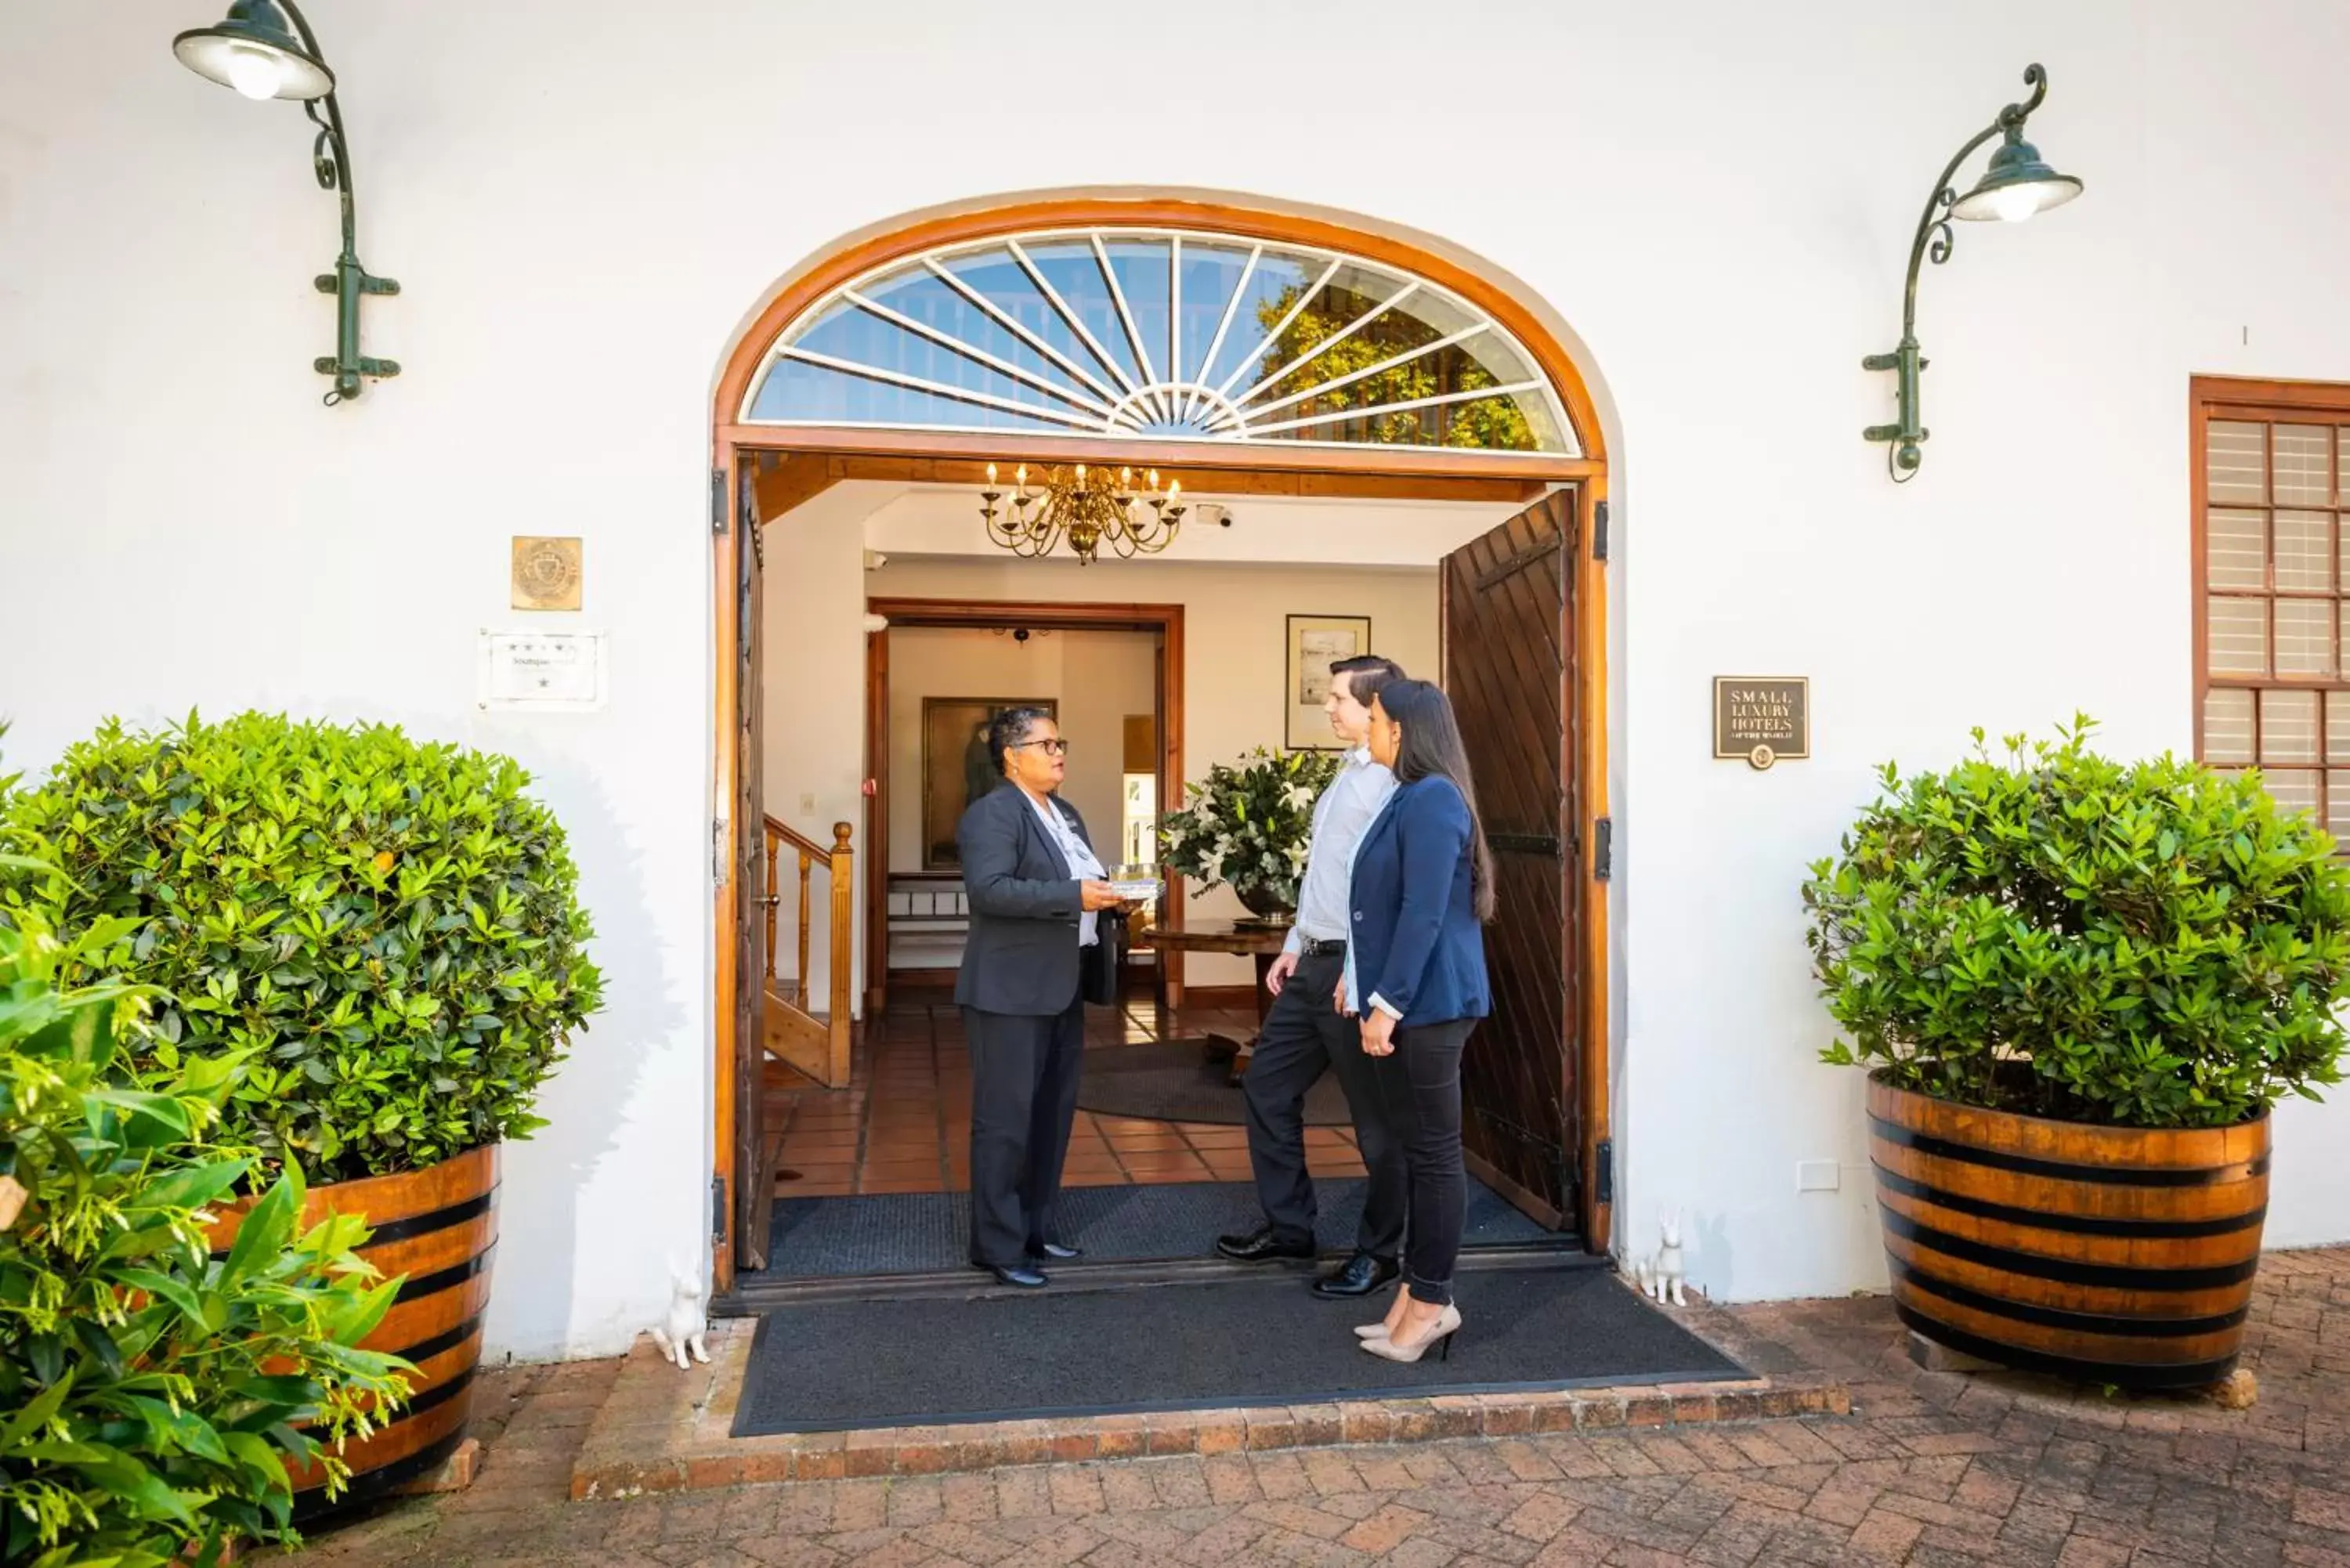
pixel 1314 946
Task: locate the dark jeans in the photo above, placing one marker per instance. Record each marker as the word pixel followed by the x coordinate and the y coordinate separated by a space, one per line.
pixel 1303 1037
pixel 1023 1100
pixel 1420 1094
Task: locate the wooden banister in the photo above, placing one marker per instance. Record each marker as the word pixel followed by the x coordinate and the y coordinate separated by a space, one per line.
pixel 838 861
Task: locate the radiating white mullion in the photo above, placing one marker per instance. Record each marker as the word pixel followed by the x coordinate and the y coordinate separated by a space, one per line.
pixel 1472 395
pixel 1224 388
pixel 1232 308
pixel 939 388
pixel 1175 308
pixel 1013 325
pixel 1373 314
pixel 1318 388
pixel 1133 333
pixel 974 352
pixel 1053 297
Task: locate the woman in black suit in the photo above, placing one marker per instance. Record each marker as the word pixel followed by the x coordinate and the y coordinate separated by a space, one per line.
pixel 1422 890
pixel 1037 895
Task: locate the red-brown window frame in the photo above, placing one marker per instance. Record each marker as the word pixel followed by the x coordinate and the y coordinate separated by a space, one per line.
pixel 2232 400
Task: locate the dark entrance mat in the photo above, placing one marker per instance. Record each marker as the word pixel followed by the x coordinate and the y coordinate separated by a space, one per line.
pixel 844 1366
pixel 1174 1081
pixel 920 1232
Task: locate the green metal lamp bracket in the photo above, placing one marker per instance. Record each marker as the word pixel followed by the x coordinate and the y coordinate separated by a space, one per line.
pixel 1934 243
pixel 330 161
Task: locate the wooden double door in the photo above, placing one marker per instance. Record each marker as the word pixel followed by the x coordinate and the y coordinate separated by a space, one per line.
pixel 1508 639
pixel 1508 635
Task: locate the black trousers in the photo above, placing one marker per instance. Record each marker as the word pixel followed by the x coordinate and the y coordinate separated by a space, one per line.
pixel 1303 1037
pixel 1420 1095
pixel 1023 1100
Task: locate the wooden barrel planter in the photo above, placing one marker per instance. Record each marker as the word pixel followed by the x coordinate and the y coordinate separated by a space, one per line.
pixel 2113 1255
pixel 438 1227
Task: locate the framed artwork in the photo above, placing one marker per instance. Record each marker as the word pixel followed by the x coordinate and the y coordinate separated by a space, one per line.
pixel 955 768
pixel 1316 643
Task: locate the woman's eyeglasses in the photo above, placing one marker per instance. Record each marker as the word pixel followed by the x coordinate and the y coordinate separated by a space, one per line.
pixel 1050 748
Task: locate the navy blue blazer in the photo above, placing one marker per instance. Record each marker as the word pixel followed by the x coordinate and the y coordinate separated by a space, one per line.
pixel 1417 943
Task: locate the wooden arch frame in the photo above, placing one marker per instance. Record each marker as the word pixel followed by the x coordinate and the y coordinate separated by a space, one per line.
pixel 822 455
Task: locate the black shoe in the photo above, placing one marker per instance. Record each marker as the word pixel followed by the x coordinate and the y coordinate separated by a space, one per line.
pixel 1362 1274
pixel 1261 1247
pixel 1057 1253
pixel 1026 1278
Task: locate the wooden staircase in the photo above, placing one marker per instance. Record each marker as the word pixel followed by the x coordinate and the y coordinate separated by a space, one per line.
pixel 809 1033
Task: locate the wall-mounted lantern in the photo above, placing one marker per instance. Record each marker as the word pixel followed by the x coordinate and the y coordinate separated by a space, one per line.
pixel 2015 185
pixel 265 49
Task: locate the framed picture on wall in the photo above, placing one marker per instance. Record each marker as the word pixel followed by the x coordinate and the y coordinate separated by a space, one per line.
pixel 1316 643
pixel 955 766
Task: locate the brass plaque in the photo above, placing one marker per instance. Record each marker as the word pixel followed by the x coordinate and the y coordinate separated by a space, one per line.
pixel 1759 720
pixel 545 572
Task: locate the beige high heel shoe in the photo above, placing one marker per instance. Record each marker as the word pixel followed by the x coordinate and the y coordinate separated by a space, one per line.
pixel 1448 1324
pixel 1375 1330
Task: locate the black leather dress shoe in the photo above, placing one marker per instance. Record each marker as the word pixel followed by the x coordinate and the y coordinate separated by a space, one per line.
pixel 1057 1253
pixel 1261 1247
pixel 1362 1274
pixel 1025 1278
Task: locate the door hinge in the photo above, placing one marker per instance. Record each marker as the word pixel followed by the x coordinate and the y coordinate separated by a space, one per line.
pixel 1605 1181
pixel 718 509
pixel 1603 862
pixel 1599 530
pixel 718 1207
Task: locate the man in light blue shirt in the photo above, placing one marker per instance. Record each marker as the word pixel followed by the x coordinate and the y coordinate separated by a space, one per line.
pixel 1304 1035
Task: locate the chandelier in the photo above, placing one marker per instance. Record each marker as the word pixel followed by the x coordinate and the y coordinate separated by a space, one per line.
pixel 1088 508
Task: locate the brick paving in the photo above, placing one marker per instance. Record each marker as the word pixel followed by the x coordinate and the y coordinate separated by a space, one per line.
pixel 1930 1467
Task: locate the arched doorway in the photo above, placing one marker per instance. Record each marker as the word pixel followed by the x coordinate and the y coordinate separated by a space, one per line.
pixel 1216 342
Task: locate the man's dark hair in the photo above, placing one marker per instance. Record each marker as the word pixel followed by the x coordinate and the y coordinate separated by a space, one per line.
pixel 1366 673
pixel 1009 728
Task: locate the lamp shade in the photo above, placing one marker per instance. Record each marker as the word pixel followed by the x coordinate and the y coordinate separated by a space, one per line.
pixel 2017 185
pixel 255 51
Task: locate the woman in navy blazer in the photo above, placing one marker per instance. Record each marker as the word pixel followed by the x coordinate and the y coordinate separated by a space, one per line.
pixel 1423 889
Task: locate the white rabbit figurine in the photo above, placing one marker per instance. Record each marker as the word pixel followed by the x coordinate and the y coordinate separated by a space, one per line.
pixel 686 1326
pixel 1663 1279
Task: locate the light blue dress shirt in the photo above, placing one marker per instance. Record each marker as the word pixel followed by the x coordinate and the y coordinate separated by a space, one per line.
pixel 1350 802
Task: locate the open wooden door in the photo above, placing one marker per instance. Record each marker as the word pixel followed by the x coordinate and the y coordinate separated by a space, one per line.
pixel 1508 630
pixel 754 1177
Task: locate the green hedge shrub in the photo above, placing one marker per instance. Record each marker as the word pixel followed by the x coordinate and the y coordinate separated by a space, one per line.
pixel 2146 944
pixel 388 929
pixel 148 1393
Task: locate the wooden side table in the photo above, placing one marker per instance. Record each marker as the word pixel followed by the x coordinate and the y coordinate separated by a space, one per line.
pixel 1262 943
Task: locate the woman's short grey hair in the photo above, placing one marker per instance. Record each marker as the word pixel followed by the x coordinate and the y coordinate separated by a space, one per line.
pixel 1009 728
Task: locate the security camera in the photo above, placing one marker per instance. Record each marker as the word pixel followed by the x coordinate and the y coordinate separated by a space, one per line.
pixel 1020 634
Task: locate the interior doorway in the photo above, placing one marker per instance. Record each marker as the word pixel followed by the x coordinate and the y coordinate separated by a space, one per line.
pixel 1547 469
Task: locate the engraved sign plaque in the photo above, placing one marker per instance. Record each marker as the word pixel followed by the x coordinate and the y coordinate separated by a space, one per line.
pixel 541 671
pixel 545 572
pixel 1759 720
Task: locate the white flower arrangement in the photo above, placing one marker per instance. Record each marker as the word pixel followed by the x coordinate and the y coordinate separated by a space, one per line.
pixel 1248 826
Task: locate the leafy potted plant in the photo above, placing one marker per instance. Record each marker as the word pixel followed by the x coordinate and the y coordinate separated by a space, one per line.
pixel 156 1400
pixel 386 933
pixel 2079 986
pixel 1248 827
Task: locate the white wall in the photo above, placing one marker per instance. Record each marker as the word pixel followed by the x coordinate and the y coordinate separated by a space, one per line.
pixel 1717 197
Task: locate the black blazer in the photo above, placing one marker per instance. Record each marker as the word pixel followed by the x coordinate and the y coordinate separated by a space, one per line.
pixel 1021 956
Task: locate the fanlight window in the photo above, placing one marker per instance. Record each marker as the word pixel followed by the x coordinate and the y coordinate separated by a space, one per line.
pixel 1129 334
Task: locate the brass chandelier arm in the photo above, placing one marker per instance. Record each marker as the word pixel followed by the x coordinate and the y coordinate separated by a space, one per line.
pixel 1084 511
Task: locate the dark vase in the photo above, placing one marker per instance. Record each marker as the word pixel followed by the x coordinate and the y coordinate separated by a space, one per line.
pixel 1265 904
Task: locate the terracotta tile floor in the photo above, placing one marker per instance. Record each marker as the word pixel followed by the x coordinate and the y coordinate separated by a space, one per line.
pixel 903 1125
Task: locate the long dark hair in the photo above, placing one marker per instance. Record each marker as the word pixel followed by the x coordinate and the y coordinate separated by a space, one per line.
pixel 1432 747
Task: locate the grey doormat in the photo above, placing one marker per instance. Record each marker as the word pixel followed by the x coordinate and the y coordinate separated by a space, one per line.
pixel 922 1233
pixel 841 1365
pixel 1174 1081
